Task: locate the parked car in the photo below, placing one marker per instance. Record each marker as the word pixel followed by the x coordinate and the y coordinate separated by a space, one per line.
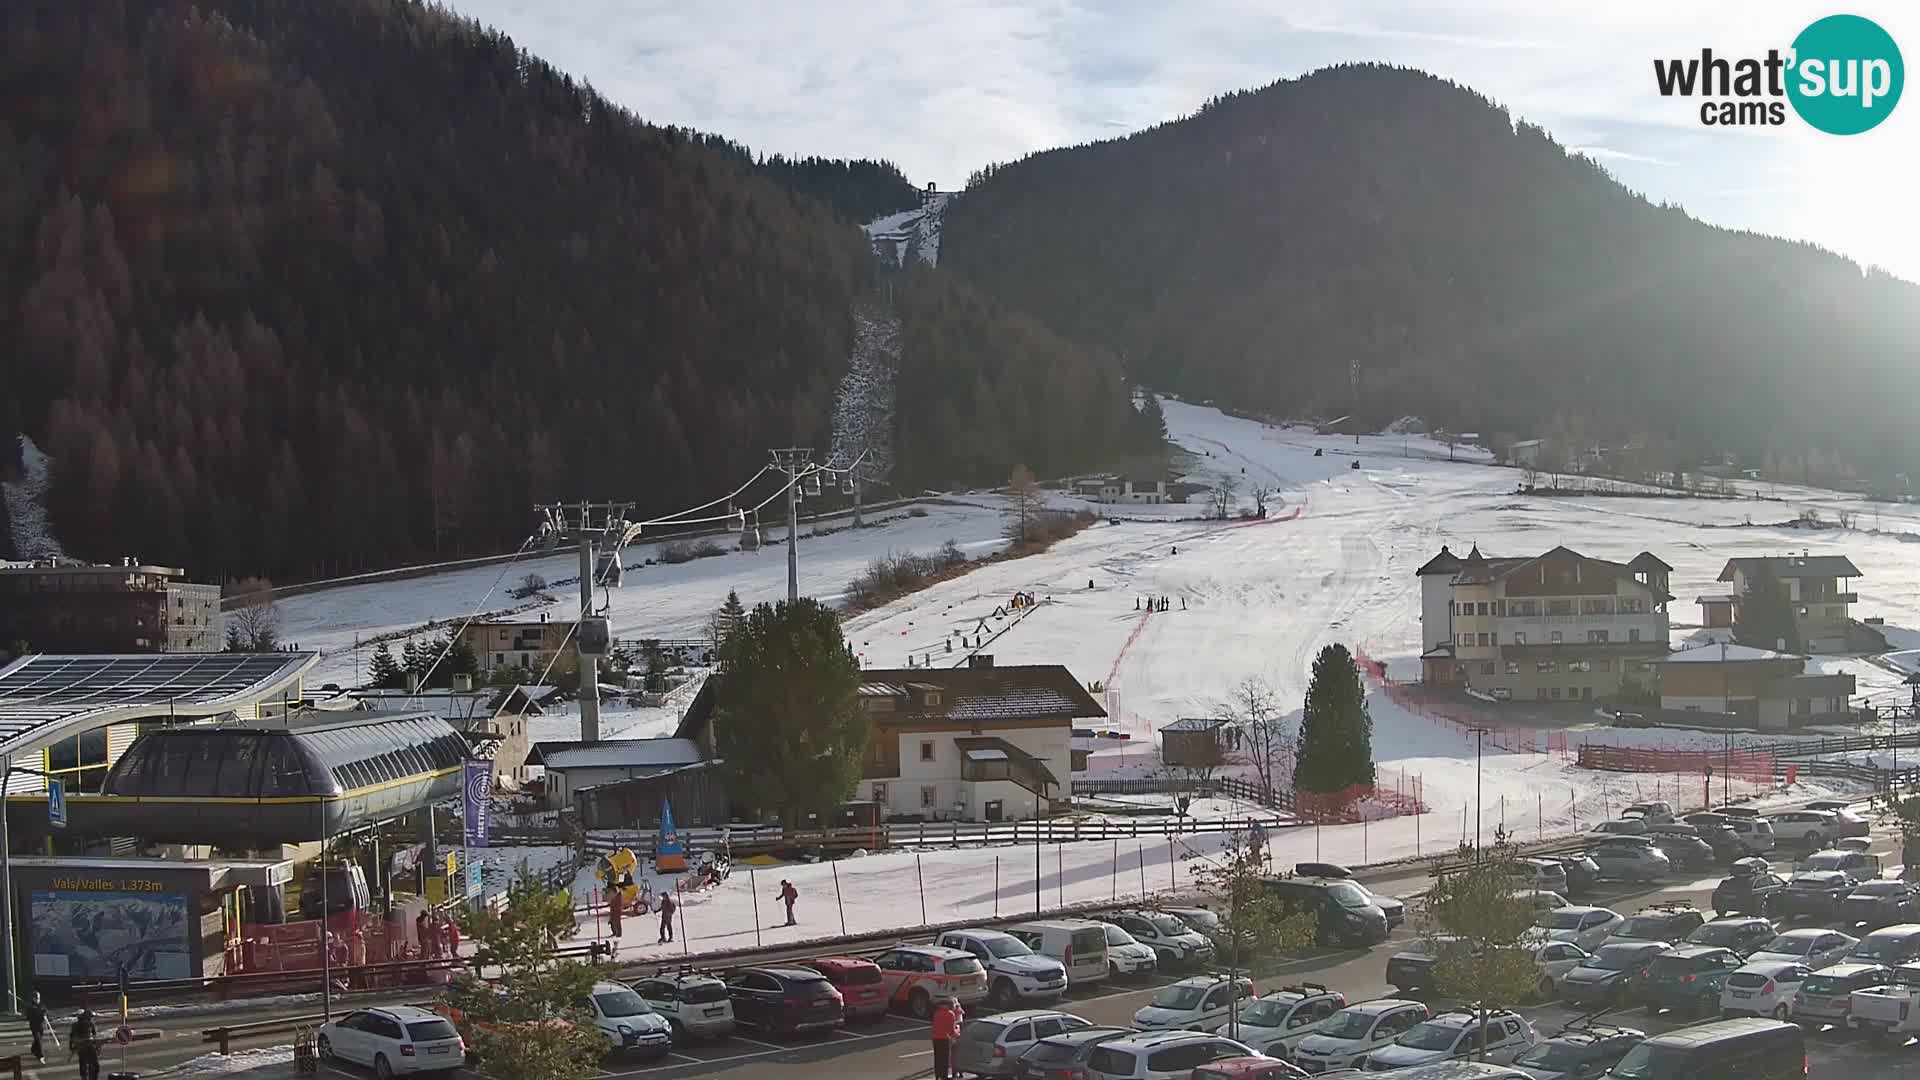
pixel 1064 1056
pixel 1582 873
pixel 1454 1034
pixel 1247 1068
pixel 918 975
pixel 1175 943
pixel 1612 975
pixel 1737 812
pixel 1078 945
pixel 785 1000
pixel 1826 996
pixel 1705 817
pixel 1580 1054
pixel 1755 832
pixel 1747 892
pixel 992 1045
pixel 1206 921
pixel 1858 865
pixel 1763 989
pixel 1811 946
pixel 1748 1049
pixel 632 1028
pixel 1277 1021
pixel 1813 828
pixel 1546 875
pixel 1346 914
pixel 1127 958
pixel 1688 980
pixel 1741 933
pixel 1890 945
pixel 1851 823
pixel 859 983
pixel 1813 894
pixel 1682 846
pixel 1653 813
pixel 1015 973
pixel 1321 869
pixel 1874 904
pixel 1195 1003
pixel 1412 967
pixel 1629 858
pixel 1541 899
pixel 1889 1013
pixel 1586 927
pixel 1666 923
pixel 1392 907
pixel 1726 843
pixel 1625 718
pixel 1353 1032
pixel 1159 1055
pixel 1620 827
pixel 695 1004
pixel 1553 960
pixel 1853 843
pixel 393 1040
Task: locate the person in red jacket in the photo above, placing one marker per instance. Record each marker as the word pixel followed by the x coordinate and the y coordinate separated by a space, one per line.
pixel 946 1030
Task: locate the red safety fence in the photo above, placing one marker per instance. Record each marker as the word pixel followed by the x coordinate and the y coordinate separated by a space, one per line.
pixel 1403 797
pixel 357 938
pixel 1459 718
pixel 1756 767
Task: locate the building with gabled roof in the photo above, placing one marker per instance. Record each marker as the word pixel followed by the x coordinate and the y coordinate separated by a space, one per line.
pixel 1818 587
pixel 1761 688
pixel 1554 626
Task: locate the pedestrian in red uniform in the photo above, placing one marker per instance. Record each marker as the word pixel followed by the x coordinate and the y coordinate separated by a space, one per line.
pixel 946 1030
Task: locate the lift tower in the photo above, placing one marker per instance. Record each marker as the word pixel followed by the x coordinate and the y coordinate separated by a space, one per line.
pixel 588 525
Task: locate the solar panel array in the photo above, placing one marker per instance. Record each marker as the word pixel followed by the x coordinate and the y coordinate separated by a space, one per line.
pixel 45 690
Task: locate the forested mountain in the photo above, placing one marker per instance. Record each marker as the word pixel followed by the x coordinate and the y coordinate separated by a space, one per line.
pixel 1474 272
pixel 859 190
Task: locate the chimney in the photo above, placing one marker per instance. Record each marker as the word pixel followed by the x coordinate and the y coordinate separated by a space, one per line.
pixel 462 683
pixel 980 660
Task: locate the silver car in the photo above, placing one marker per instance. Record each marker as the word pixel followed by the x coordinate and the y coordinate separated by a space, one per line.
pixel 1586 927
pixel 991 1046
pixel 1630 858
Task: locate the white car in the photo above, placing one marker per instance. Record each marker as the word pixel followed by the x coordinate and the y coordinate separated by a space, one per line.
pixel 1160 1055
pixel 1199 1003
pixel 1126 956
pixel 394 1040
pixel 1455 1035
pixel 1620 827
pixel 1277 1022
pixel 1851 823
pixel 1172 941
pixel 1015 972
pixel 1652 813
pixel 1586 927
pixel 696 1006
pixel 1811 946
pixel 1763 989
pixel 1755 833
pixel 1349 1035
pixel 1544 874
pixel 628 1023
pixel 1554 959
pixel 1810 827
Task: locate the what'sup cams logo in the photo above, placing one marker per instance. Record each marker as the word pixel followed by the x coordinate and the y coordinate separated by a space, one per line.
pixel 1843 76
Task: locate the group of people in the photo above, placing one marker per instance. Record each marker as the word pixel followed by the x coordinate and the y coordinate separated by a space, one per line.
pixel 439 935
pixel 1157 603
pixel 83 1039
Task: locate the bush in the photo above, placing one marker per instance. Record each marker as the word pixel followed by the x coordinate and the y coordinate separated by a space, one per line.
pixel 918 511
pixel 950 554
pixel 680 551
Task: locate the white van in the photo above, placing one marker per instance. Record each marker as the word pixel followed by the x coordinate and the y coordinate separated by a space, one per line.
pixel 1079 944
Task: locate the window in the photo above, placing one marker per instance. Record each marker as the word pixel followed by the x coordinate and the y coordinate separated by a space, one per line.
pixel 1578 665
pixel 1554 637
pixel 880 794
pixel 926 750
pixel 929 796
pixel 1463 609
pixel 1631 605
pixel 1597 637
pixel 933 698
pixel 1486 668
pixel 1603 665
pixel 1596 606
pixel 1521 608
pixel 1633 635
pixel 1519 637
pixel 1482 640
pixel 1540 692
pixel 1544 667
pixel 1559 607
pixel 1480 609
pixel 1464 640
pixel 1513 667
pixel 1554 693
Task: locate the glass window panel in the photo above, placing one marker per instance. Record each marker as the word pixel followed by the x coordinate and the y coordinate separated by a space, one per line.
pixel 236 778
pixel 93 747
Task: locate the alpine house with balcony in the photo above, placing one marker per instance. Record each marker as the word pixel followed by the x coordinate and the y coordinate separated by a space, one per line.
pixel 1556 626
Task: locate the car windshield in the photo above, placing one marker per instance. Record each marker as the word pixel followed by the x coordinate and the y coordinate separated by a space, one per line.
pixel 1881 888
pixel 1794 944
pixel 1347 1025
pixel 618 1003
pixel 1747 978
pixel 704 993
pixel 1117 936
pixel 1265 1013
pixel 1167 924
pixel 1200 920
pixel 431 1031
pixel 1718 934
pixel 1431 1036
pixel 1678 965
pixel 1648 1061
pixel 1563 919
pixel 1829 984
pixel 1179 997
pixel 1832 860
pixel 1004 947
pixel 1348 895
pixel 1650 927
pixel 1882 949
pixel 983 1031
pixel 1615 957
pixel 1553 1057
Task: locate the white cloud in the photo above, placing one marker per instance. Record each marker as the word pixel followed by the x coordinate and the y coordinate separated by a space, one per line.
pixel 945 88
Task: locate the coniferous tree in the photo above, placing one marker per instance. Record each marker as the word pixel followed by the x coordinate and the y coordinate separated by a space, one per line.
pixel 383 673
pixel 234 641
pixel 1153 421
pixel 411 662
pixel 1336 732
pixel 787 680
pixel 1766 614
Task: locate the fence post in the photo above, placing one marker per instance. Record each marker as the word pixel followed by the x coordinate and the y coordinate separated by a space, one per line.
pixel 841 903
pixel 1114 878
pixel 754 888
pixel 1142 853
pixel 996 886
pixel 918 880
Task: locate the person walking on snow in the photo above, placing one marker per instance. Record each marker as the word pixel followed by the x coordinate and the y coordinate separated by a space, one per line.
pixel 84 1042
pixel 946 1030
pixel 787 895
pixel 37 1023
pixel 614 914
pixel 667 908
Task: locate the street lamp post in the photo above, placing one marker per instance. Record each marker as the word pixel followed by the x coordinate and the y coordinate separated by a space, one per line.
pixel 1479 733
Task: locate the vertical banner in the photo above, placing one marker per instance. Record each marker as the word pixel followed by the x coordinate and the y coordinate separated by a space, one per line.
pixel 476 796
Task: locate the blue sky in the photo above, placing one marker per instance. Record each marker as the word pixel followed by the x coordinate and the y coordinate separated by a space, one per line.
pixel 945 87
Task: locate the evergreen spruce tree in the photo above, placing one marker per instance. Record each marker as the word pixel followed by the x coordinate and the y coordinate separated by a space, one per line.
pixel 1766 615
pixel 1336 734
pixel 234 642
pixel 410 660
pixel 787 723
pixel 1153 421
pixel 383 673
pixel 460 659
pixel 725 618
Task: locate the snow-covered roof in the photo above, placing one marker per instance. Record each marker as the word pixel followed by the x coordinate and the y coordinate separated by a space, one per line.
pixel 660 753
pixel 1716 598
pixel 1196 723
pixel 1732 654
pixel 1794 566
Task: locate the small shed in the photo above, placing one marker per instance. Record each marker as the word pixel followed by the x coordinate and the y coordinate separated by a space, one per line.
pixel 571 766
pixel 1194 741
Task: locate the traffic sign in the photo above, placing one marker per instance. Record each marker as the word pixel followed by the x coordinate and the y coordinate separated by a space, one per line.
pixel 123 1034
pixel 56 804
pixel 476 878
pixel 453 865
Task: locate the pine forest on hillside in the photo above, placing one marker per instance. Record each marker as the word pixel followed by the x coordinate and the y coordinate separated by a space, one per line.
pixel 1384 220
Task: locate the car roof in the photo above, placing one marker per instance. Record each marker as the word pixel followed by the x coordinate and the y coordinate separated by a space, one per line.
pixel 1056 924
pixel 1848 968
pixel 1767 967
pixel 1015 1016
pixel 1211 978
pixel 977 932
pixel 1145 1039
pixel 1688 952
pixel 1579 909
pixel 1380 1005
pixel 1087 1034
pixel 679 977
pixel 406 1012
pixel 610 988
pixel 1459 1017
pixel 786 971
pixel 838 963
pixel 1725 920
pixel 940 951
pixel 1719 1029
pixel 1898 930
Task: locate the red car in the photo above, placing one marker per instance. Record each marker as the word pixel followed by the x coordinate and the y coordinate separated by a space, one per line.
pixel 1248 1068
pixel 859 983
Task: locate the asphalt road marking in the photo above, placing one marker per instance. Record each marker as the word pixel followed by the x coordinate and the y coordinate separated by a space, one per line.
pixel 917 1053
pixel 757 1042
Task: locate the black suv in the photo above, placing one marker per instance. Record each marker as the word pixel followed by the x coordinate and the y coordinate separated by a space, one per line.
pixel 1580 1052
pixel 1874 904
pixel 1741 933
pixel 1346 914
pixel 784 1000
pixel 1748 893
pixel 1815 894
pixel 1683 846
